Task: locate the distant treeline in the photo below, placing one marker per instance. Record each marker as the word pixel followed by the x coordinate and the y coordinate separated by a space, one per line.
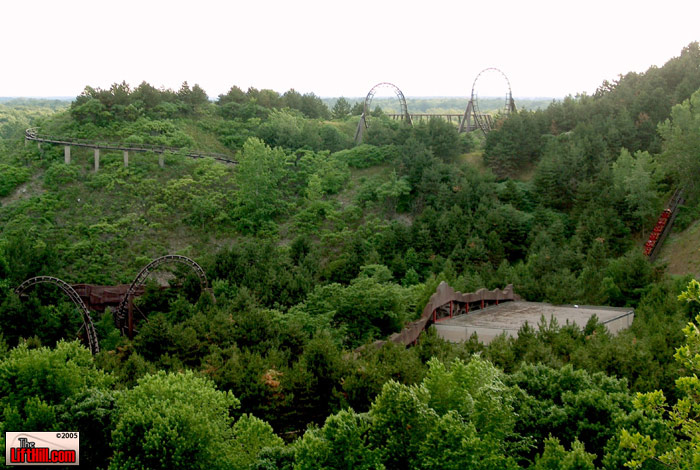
pixel 120 101
pixel 150 100
pixel 444 104
pixel 52 103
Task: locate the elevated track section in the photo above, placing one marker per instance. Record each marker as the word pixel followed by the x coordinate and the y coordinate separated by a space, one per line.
pixel 663 225
pixel 88 327
pixel 456 118
pixel 98 297
pixel 124 316
pixel 33 135
pixel 472 119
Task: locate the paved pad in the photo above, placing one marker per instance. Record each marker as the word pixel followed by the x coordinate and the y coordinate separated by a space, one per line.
pixel 509 317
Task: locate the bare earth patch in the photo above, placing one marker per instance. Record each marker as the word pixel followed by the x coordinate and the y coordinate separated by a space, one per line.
pixel 24 191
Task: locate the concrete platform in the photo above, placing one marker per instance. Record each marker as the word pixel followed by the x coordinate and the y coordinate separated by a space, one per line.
pixel 508 317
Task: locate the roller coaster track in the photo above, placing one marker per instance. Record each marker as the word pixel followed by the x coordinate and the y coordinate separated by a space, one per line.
pixel 123 319
pixel 444 303
pixel 32 134
pixel 471 120
pixel 70 292
pixel 418 117
pixel 663 225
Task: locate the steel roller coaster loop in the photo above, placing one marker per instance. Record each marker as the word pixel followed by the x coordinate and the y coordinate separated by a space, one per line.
pixel 91 335
pixel 123 317
pixel 370 96
pixel 485 123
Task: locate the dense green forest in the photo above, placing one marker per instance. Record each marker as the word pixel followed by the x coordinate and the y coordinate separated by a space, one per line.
pixel 315 247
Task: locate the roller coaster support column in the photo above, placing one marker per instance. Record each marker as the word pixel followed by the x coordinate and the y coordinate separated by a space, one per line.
pixel 131 316
pixel 66 154
pixel 126 158
pixel 97 159
pixel 466 124
pixel 360 129
pixel 161 159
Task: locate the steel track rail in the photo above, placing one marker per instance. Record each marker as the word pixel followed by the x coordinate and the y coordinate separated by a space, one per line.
pixel 73 295
pixel 120 317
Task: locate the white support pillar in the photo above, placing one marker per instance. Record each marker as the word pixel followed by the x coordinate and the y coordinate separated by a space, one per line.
pixel 66 154
pixel 126 158
pixel 38 145
pixel 97 160
pixel 161 160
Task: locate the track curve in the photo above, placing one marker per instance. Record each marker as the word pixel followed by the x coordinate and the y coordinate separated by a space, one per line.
pixel 120 317
pixel 70 292
pixel 484 121
pixel 370 96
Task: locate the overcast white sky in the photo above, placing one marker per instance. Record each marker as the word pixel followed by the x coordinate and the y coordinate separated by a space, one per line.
pixel 334 48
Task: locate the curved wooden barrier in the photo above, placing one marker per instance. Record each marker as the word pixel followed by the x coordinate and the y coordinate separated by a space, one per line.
pixel 445 303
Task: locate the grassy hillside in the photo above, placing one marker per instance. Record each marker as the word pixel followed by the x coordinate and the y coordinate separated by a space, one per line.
pixel 681 251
